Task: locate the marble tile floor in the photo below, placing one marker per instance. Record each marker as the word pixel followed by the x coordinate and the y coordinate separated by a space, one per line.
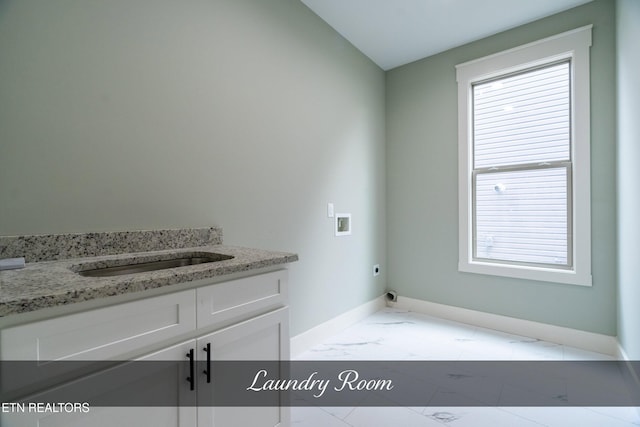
pixel 390 334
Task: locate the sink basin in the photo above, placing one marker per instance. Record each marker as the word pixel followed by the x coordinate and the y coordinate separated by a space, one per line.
pixel 179 260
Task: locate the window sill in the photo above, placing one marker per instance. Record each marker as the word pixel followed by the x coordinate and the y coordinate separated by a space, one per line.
pixel 570 277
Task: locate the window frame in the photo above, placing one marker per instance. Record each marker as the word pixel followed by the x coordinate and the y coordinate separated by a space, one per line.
pixel 573 46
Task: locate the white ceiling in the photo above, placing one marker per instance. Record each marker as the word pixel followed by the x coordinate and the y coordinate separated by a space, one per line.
pixel 396 32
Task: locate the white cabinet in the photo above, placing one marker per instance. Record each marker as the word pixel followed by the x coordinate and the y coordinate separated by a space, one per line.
pixel 240 298
pixel 100 334
pixel 262 338
pixel 103 333
pixel 168 379
pixel 243 319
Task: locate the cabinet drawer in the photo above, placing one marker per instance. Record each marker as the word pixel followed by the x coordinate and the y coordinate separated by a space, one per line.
pixel 240 298
pixel 101 334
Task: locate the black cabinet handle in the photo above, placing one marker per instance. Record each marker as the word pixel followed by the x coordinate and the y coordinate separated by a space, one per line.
pixel 207 371
pixel 191 377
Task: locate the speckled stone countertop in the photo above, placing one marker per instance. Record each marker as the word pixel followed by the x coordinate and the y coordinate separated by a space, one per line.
pixel 55 283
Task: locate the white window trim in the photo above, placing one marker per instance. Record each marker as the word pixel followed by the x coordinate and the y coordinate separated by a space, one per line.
pixel 572 45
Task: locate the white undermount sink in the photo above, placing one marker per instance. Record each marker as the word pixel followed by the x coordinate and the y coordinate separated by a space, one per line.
pixel 139 265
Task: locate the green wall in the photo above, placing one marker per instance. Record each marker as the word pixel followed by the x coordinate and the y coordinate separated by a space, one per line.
pixel 246 114
pixel 628 67
pixel 252 115
pixel 422 155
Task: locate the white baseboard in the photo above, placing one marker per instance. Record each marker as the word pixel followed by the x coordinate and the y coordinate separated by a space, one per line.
pixel 557 334
pixel 622 355
pixel 590 341
pixel 635 375
pixel 306 340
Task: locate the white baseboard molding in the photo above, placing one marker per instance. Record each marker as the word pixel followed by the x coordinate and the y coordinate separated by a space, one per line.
pixel 635 374
pixel 590 341
pixel 306 340
pixel 622 355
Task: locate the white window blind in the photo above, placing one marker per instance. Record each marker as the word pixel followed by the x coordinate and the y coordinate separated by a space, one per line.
pixel 522 167
pixel 523 118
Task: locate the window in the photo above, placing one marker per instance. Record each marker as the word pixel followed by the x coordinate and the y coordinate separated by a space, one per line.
pixel 524 179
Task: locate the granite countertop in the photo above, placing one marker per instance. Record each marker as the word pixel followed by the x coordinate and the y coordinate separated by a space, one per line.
pixel 50 279
pixel 53 283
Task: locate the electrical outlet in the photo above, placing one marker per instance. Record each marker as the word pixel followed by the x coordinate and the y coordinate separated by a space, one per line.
pixel 376 270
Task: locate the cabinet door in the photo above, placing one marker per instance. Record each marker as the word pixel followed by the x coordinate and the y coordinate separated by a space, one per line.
pixel 264 337
pixel 169 379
